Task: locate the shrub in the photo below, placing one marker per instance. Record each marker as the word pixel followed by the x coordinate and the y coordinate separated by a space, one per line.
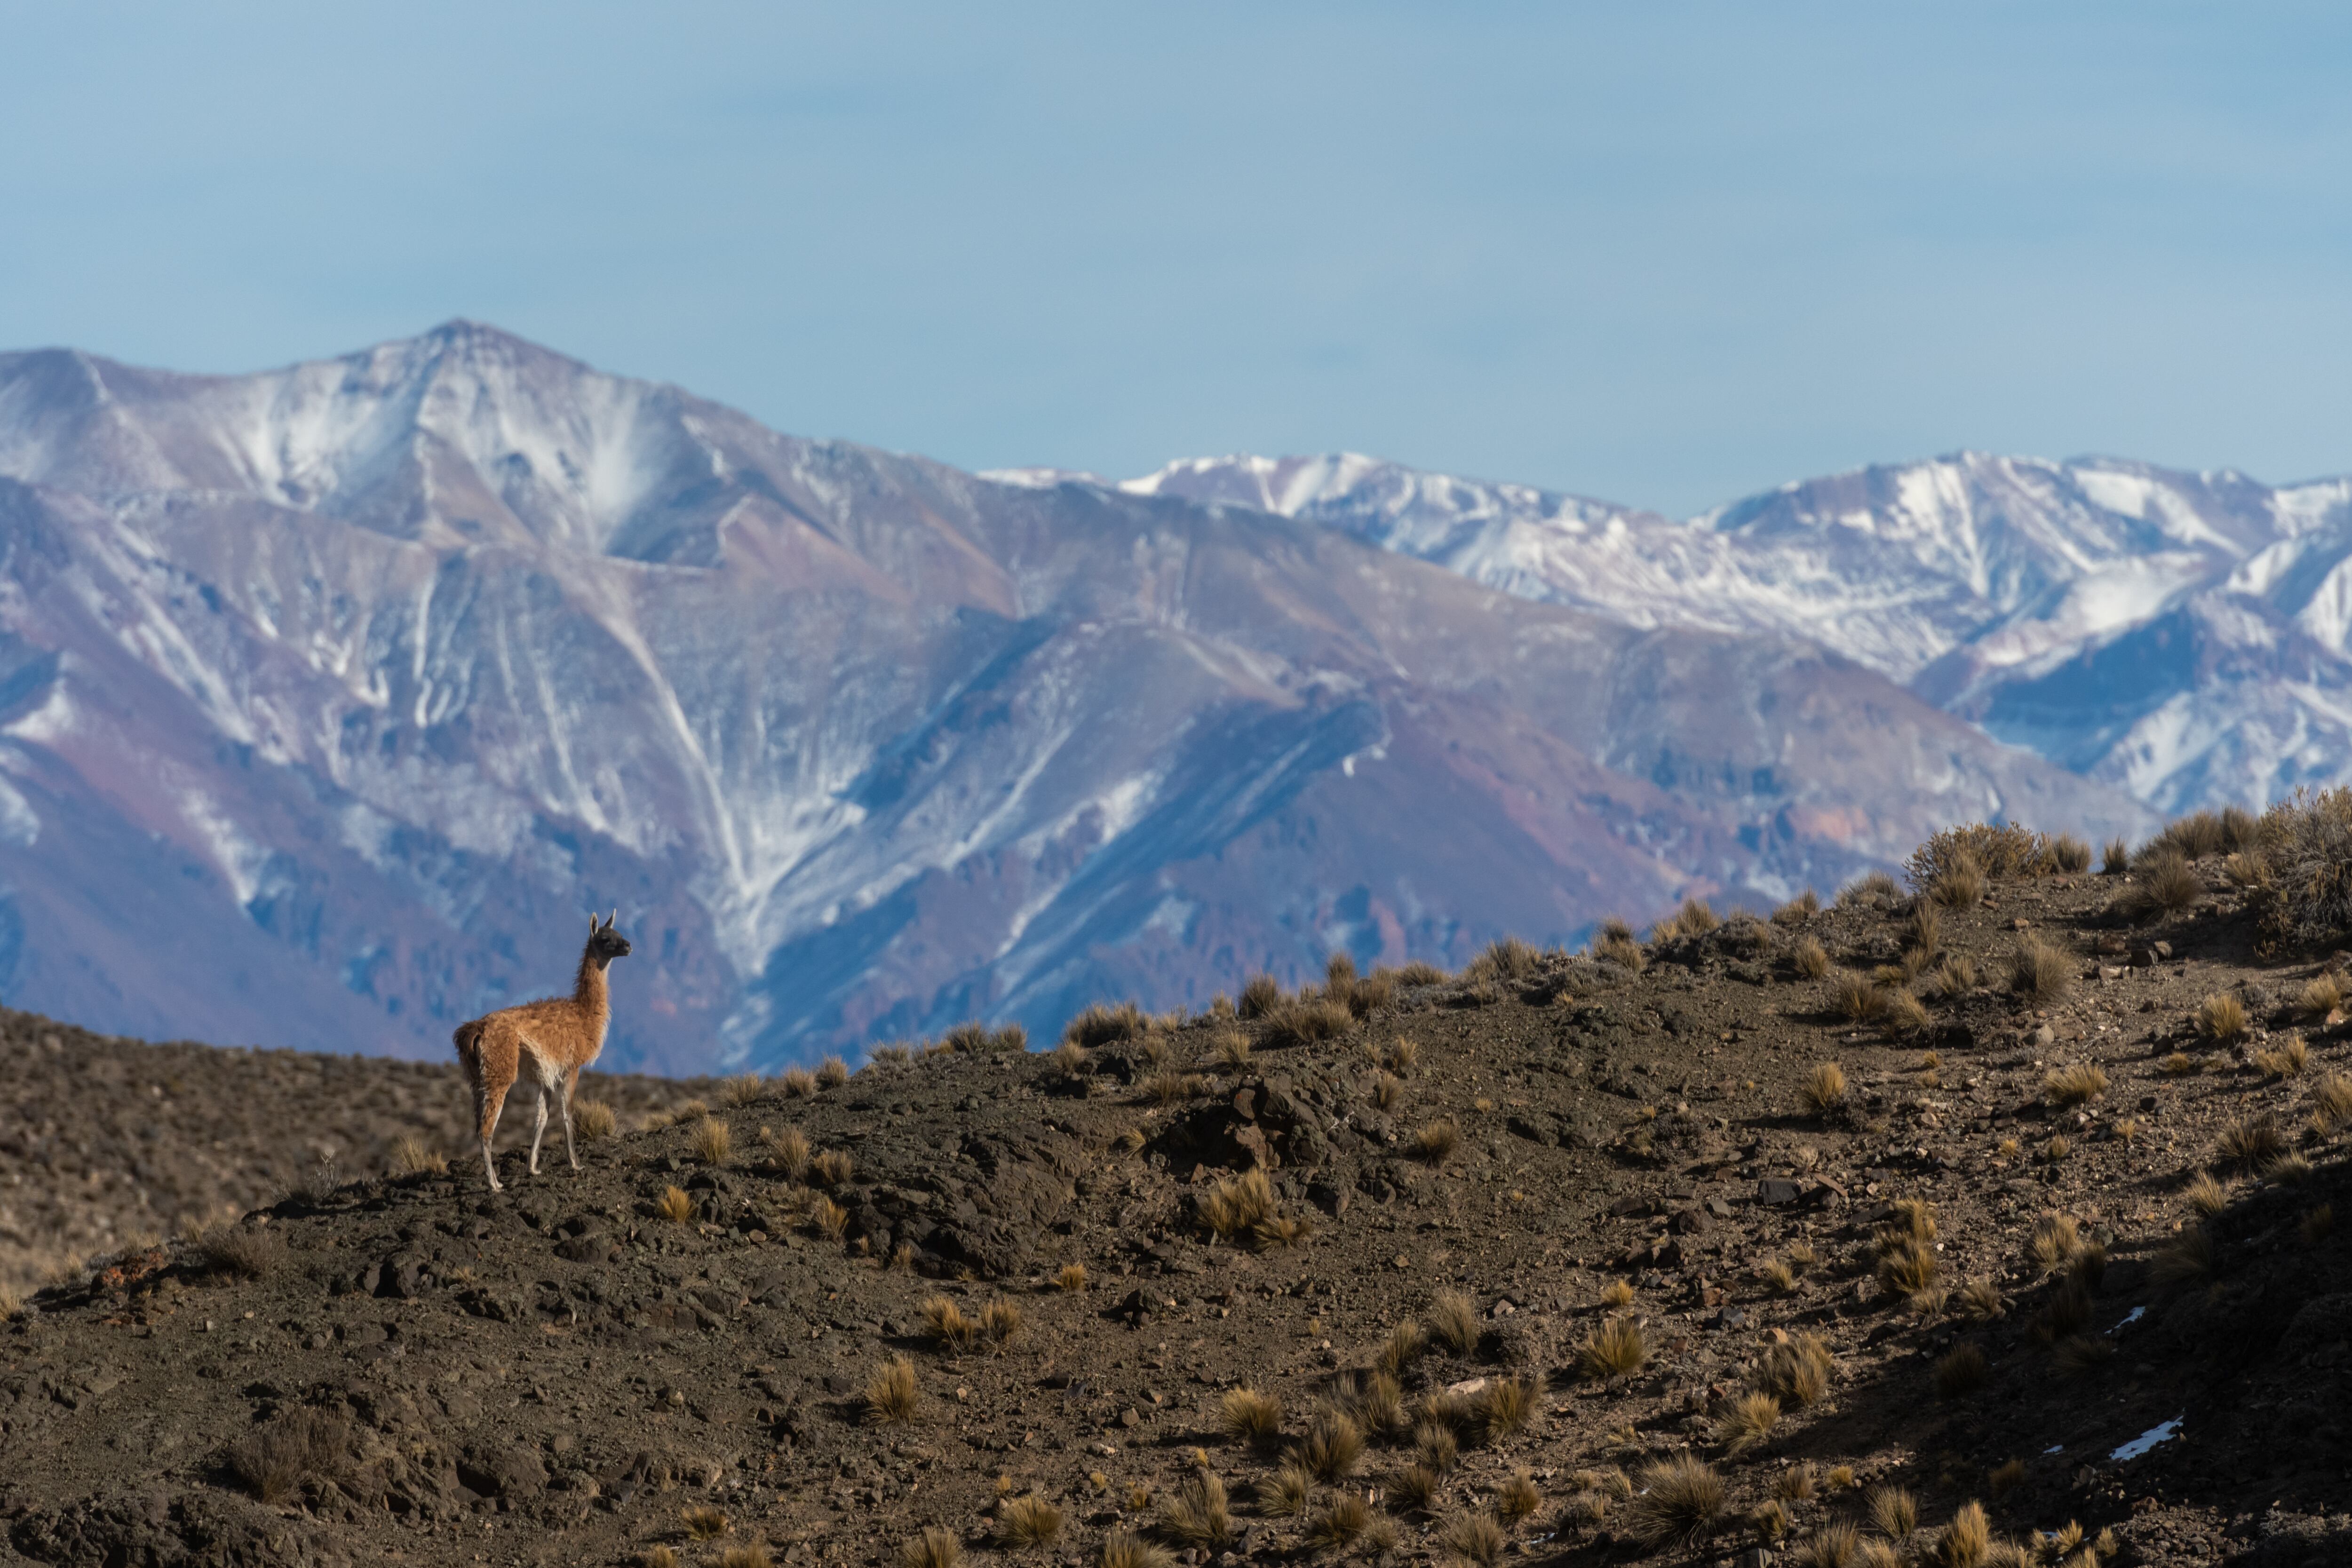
pixel 1835 1545
pixel 592 1120
pixel 1507 958
pixel 2317 1225
pixel 743 1089
pixel 1959 886
pixel 831 1221
pixel 1960 1371
pixel 1796 1371
pixel 833 1072
pixel 1415 1486
pixel 935 1547
pixel 1434 1141
pixel 948 1325
pixel 1198 1513
pixel 2250 1140
pixel 1437 1446
pixel 790 1149
pixel 2070 854
pixel 1260 995
pixel 1335 1526
pixel 1234 1204
pixel 304 1444
pixel 1809 958
pixel 1893 1511
pixel 1679 1500
pixel 2040 974
pixel 2166 885
pixel 1305 1023
pixel 2115 860
pixel 1472 1539
pixel 1614 1350
pixel 1516 1498
pixel 2008 850
pixel 713 1142
pixel 799 1083
pixel 2206 1195
pixel 703 1523
pixel 1402 1347
pixel 2194 837
pixel 2076 1085
pixel 1454 1321
pixel 2286 1059
pixel 1125 1549
pixel 1747 1422
pixel 674 1205
pixel 1857 996
pixel 1623 951
pixel 1332 1446
pixel 831 1169
pixel 2222 1018
pixel 1071 1277
pixel 1799 909
pixel 2186 1259
pixel 2331 1100
pixel 1250 1416
pixel 1027 1521
pixel 1965 1541
pixel 1001 1321
pixel 1503 1407
pixel 749 1554
pixel 1823 1089
pixel 412 1156
pixel 1871 888
pixel 891 1394
pixel 1906 1013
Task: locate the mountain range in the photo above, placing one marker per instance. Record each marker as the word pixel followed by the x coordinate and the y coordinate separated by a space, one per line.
pixel 332 697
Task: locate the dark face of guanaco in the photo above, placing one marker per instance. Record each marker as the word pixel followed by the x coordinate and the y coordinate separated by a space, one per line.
pixel 604 944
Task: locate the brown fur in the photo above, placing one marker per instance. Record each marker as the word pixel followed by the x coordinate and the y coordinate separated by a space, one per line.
pixel 555 1037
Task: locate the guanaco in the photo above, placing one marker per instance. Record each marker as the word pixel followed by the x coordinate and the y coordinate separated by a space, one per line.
pixel 558 1036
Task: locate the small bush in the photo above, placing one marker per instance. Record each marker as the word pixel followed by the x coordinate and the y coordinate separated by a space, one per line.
pixel 592 1120
pixel 1747 1422
pixel 1960 1371
pixel 1071 1277
pixel 1967 1539
pixel 2206 1195
pixel 891 1394
pixel 831 1169
pixel 1518 1498
pixel 2284 1060
pixel 2331 1100
pixel 2166 885
pixel 1809 958
pixel 2076 1085
pixel 412 1156
pixel 2040 974
pixel 1125 1549
pixel 1336 1525
pixel 2194 837
pixel 1796 1371
pixel 1507 958
pixel 748 1554
pixel 833 1072
pixel 799 1083
pixel 1234 1204
pixel 1434 1143
pixel 934 1548
pixel 2006 850
pixel 703 1523
pixel 2186 1259
pixel 1679 1501
pixel 1961 886
pixel 1297 1023
pixel 1503 1407
pixel 2222 1018
pixel 1027 1521
pixel 1437 1446
pixel 1332 1446
pixel 1823 1089
pixel 1260 995
pixel 713 1142
pixel 2250 1140
pixel 1908 1270
pixel 275 1458
pixel 1454 1321
pixel 1415 1487
pixel 674 1205
pixel 1474 1539
pixel 1198 1513
pixel 1856 997
pixel 743 1089
pixel 789 1150
pixel 2070 854
pixel 1799 909
pixel 1614 1350
pixel 831 1221
pixel 2317 1225
pixel 1402 1347
pixel 1249 1416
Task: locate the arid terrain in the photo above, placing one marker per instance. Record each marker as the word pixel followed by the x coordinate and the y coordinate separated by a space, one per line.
pixel 1569 1259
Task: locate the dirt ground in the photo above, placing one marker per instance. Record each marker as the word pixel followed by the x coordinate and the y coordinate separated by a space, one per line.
pixel 412 1369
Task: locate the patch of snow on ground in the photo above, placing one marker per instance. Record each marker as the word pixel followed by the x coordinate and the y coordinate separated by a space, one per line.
pixel 2163 1432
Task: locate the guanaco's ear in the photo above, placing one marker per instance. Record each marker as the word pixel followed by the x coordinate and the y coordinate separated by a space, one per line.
pixel 591 922
pixel 611 918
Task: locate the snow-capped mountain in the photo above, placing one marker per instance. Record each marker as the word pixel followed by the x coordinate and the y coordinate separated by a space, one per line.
pixel 2182 636
pixel 332 697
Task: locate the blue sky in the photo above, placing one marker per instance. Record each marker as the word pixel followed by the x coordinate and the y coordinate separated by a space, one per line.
pixel 1663 254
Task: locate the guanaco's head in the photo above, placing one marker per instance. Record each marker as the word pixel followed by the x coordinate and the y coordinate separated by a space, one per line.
pixel 604 944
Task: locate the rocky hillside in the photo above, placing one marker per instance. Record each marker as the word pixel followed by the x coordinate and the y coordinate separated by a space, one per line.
pixel 329 698
pixel 1997 1225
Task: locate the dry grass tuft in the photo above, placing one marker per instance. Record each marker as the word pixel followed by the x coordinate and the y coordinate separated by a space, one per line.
pixel 2070 854
pixel 2180 1064
pixel 1261 993
pixel 674 1205
pixel 1905 1014
pixel 1198 1514
pixel 1249 1416
pixel 2284 1060
pixel 935 1547
pixel 1403 1347
pixel 1472 1540
pixel 1518 1498
pixel 2053 1241
pixel 2316 1225
pixel 2040 974
pixel 2321 995
pixel 1296 1023
pixel 799 1083
pixel 592 1120
pixel 1893 1511
pixel 833 1072
pixel 1434 1143
pixel 1617 1294
pixel 1809 958
pixel 1231 1049
pixel 1614 1350
pixel 412 1156
pixel 789 1150
pixel 1332 1446
pixel 1959 886
pixel 1454 1321
pixel 1960 1371
pixel 2250 1140
pixel 1747 1422
pixel 1123 1549
pixel 2186 1259
pixel 1908 1269
pixel 831 1169
pixel 2076 1085
pixel 2331 1100
pixel 1856 997
pixel 1823 1089
pixel 2078 1354
pixel 1070 1279
pixel 748 1554
pixel 1174 1088
pixel 1027 1521
pixel 1387 1089
pixel 275 1458
pixel 1679 1501
pixel 1285 1493
pixel 1503 1407
pixel 1415 1487
pixel 2114 860
pixel 703 1523
pixel 1236 1205
pixel 744 1089
pixel 2222 1018
pixel 831 1221
pixel 1967 1539
pixel 891 1394
pixel 1623 951
pixel 1797 1371
pixel 1979 1301
pixel 2206 1195
pixel 713 1142
pixel 1834 1544
pixel 1799 909
pixel 1106 1026
pixel 1000 1323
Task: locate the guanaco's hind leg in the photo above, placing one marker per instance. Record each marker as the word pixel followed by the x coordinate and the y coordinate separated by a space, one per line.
pixel 571 1082
pixel 488 1103
pixel 539 1127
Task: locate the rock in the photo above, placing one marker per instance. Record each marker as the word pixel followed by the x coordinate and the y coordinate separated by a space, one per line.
pixel 1777 1190
pixel 502 1471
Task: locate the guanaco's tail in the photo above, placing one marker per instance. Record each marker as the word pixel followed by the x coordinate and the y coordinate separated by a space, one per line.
pixel 468 1041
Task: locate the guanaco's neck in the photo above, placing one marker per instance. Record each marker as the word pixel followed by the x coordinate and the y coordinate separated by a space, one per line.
pixel 590 991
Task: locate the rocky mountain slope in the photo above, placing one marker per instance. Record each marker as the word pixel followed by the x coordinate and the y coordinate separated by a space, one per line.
pixel 330 697
pixel 2179 636
pixel 1558 1259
